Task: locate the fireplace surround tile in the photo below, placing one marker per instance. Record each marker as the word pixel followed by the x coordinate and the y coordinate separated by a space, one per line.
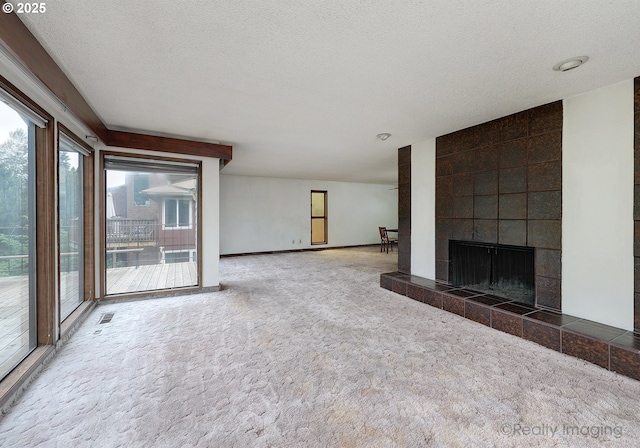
pixel 520 156
pixel 463 207
pixel 443 228
pixel 442 249
pixel 544 233
pixel 433 298
pixel 486 183
pixel 512 232
pixel 453 304
pixel 546 118
pixel 444 166
pixel 445 144
pixel 404 262
pixel 512 206
pixel 609 347
pixel 399 285
pixel 485 207
pixel 461 229
pixel 463 293
pixel 404 156
pixel 636 238
pixel 545 335
pixel 545 205
pixel 636 305
pixel 404 244
pixel 506 322
pixel 636 153
pixel 513 180
pixel 548 263
pixel 551 318
pixel 628 340
pixel 462 184
pixel 488 299
pixel 515 308
pixel 463 162
pixel 485 230
pixel 444 207
pixel 548 292
pixel 486 158
pixel 477 312
pixel 636 190
pixel 585 347
pixel 442 270
pixel 594 329
pixel 415 292
pixel 514 126
pixel 625 361
pixel 545 176
pixel 386 281
pixel 545 147
pixel 444 187
pixel 513 153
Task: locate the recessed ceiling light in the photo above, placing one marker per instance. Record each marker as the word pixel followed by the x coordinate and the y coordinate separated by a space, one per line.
pixel 570 64
pixel 383 136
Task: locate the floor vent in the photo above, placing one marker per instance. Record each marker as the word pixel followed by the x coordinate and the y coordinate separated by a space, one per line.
pixel 106 318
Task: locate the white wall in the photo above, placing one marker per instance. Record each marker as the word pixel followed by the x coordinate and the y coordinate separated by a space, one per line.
pixel 209 207
pixel 597 206
pixel 259 214
pixel 423 208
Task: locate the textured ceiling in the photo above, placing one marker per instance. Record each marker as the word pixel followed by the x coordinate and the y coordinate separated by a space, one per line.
pixel 300 88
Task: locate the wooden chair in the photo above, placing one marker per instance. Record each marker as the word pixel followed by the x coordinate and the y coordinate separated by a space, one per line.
pixel 385 241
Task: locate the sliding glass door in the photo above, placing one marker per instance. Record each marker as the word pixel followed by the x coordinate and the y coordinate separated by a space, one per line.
pixel 17 238
pixel 151 224
pixel 70 223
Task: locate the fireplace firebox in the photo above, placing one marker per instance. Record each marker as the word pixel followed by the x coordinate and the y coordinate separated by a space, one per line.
pixel 501 270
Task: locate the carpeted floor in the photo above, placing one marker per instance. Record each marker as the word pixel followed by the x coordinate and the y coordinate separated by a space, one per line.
pixel 306 350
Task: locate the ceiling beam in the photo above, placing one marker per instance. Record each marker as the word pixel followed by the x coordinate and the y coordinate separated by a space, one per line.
pixel 18 39
pixel 168 144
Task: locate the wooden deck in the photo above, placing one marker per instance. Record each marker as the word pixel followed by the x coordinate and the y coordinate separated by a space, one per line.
pixel 151 277
pixel 14 321
pixel 14 302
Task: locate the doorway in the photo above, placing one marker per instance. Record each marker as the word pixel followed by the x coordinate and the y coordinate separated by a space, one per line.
pixel 318 217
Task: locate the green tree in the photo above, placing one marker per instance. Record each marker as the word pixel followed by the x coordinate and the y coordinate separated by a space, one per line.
pixel 14 203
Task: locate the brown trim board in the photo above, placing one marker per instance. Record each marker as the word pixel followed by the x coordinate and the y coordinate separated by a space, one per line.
pixel 167 144
pixel 19 40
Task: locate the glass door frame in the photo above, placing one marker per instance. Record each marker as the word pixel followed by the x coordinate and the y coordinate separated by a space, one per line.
pixel 86 250
pixel 150 159
pixel 324 217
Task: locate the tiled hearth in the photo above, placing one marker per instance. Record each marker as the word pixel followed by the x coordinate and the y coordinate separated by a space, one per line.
pixel 609 347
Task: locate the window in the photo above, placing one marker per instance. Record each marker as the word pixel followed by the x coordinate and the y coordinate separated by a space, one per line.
pixel 71 223
pixel 177 214
pixel 319 217
pixel 17 231
pixel 153 247
pixel 179 256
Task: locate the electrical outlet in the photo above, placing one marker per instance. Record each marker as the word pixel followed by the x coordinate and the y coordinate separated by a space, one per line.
pixel 293 241
pixel 300 241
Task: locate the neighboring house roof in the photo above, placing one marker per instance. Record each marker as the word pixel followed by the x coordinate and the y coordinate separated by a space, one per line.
pixel 184 188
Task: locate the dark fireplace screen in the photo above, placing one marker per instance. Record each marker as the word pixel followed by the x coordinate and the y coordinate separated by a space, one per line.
pixel 504 271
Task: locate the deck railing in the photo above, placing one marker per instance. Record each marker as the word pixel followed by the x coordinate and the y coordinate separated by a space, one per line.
pixel 127 230
pixel 14 250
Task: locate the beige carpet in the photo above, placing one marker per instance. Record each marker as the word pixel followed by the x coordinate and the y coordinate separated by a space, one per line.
pixel 305 350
